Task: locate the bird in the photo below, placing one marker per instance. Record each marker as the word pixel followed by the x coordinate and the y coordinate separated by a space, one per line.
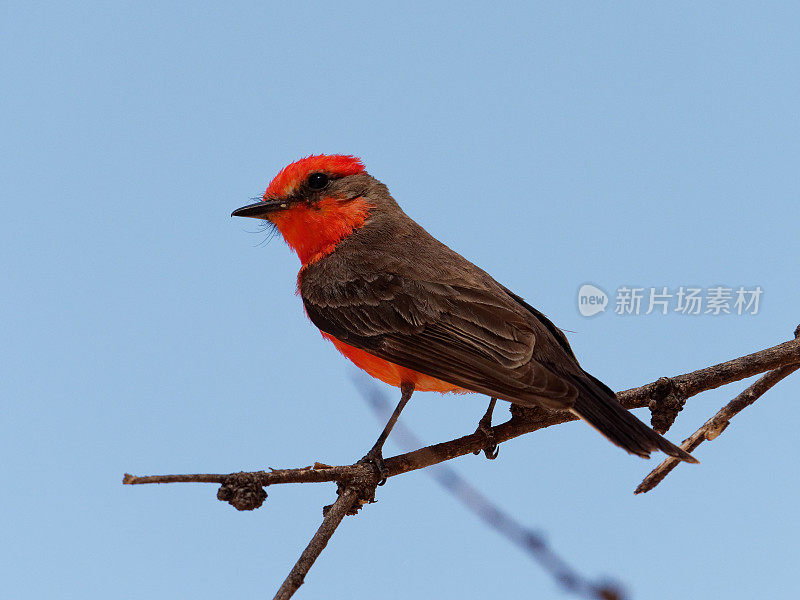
pixel 417 315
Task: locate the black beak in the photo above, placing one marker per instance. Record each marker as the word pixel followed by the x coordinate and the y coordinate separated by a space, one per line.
pixel 260 210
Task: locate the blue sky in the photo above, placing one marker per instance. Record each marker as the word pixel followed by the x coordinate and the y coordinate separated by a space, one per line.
pixel 144 330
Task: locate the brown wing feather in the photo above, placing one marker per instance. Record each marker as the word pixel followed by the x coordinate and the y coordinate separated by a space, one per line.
pixel 473 338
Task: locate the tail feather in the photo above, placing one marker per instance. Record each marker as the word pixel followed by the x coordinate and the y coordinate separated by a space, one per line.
pixel 597 404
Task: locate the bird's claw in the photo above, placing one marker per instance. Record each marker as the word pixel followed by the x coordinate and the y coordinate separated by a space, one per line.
pixel 375 458
pixel 490 448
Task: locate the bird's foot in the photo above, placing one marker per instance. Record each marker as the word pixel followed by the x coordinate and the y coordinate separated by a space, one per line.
pixel 375 458
pixel 490 448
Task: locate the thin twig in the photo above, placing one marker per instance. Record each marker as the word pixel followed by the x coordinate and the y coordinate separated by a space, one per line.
pixel 333 517
pixel 717 424
pixel 314 474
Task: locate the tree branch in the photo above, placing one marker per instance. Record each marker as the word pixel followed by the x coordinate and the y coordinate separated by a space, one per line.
pixel 717 424
pixel 358 482
pixel 691 384
pixel 524 420
pixel 333 516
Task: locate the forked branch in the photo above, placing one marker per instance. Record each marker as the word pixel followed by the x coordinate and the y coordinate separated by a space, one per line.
pixel 357 482
pixel 717 424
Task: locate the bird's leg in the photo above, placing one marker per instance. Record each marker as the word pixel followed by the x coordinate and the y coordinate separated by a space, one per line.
pixel 485 427
pixel 375 455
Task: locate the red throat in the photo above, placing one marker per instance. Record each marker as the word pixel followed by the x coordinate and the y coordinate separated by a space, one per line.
pixel 314 230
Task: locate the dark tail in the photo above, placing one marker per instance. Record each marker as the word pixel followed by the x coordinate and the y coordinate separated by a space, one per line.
pixel 598 405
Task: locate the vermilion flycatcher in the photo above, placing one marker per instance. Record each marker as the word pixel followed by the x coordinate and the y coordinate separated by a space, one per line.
pixel 413 313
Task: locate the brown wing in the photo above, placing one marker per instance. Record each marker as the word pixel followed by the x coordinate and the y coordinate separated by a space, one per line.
pixel 477 339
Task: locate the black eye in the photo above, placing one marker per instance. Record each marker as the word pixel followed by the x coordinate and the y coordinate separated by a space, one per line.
pixel 317 181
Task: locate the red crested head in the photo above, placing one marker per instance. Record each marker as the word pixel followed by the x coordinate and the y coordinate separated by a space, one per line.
pixel 293 175
pixel 315 203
